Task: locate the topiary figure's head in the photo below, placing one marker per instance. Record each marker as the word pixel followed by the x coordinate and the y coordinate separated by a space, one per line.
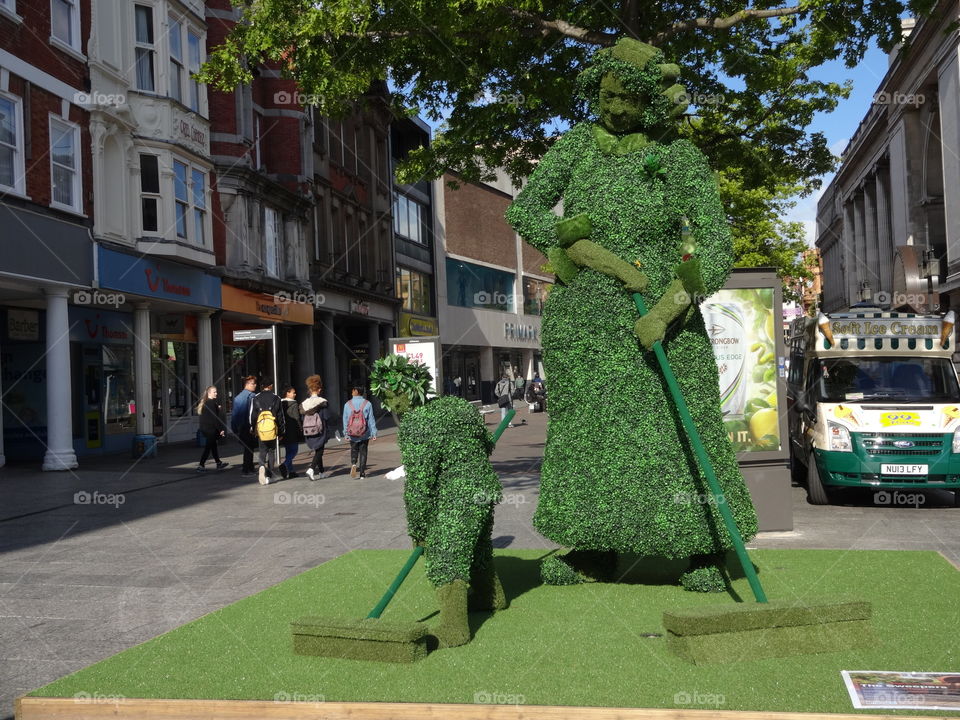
pixel 400 384
pixel 630 88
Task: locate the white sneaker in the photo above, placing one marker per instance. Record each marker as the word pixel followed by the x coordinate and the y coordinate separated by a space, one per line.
pixel 310 474
pixel 325 474
pixel 262 475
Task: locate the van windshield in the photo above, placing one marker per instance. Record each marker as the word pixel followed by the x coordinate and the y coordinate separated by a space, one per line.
pixel 886 378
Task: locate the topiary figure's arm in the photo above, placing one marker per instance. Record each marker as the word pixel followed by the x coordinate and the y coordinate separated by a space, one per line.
pixel 653 326
pixel 420 488
pixel 693 184
pixel 531 213
pixel 587 253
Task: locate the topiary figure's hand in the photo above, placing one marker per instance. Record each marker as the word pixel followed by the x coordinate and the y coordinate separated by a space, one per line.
pixel 689 274
pixel 563 267
pixel 649 329
pixel 572 229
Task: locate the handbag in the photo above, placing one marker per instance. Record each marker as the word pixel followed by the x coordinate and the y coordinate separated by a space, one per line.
pixel 504 401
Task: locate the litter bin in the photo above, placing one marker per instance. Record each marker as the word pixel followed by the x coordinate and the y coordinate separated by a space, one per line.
pixel 144 446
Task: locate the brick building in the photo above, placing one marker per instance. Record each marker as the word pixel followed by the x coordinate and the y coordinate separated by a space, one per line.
pixel 491 288
pixel 45 211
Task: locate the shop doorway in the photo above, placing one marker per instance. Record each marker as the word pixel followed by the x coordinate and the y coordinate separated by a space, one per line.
pixel 175 382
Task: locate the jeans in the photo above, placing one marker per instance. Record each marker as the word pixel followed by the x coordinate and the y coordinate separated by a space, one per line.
pixel 292 449
pixel 358 454
pixel 248 442
pixel 269 452
pixel 317 463
pixel 210 447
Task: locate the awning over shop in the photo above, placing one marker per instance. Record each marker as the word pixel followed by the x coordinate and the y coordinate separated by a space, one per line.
pixel 159 279
pixel 268 307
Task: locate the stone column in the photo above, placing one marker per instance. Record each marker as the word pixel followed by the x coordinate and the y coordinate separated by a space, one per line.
pixel 859 245
pixel 373 342
pixel 304 359
pixel 489 375
pixel 331 380
pixel 141 368
pixel 528 369
pixel 884 237
pixel 204 352
pixel 872 250
pixel 848 260
pixel 60 454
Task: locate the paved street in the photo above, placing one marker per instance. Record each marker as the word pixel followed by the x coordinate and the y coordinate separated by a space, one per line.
pixel 158 545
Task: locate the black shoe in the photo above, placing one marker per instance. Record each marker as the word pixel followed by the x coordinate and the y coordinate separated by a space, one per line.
pixel 201 468
pixel 292 474
pixel 222 465
pixel 284 473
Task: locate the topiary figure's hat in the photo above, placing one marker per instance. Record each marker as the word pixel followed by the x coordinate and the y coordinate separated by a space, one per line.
pixel 642 70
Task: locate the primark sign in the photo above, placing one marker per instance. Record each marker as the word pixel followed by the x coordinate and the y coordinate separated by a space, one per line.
pixel 524 333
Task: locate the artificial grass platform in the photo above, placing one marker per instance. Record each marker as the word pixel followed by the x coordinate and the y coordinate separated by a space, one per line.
pixel 585 645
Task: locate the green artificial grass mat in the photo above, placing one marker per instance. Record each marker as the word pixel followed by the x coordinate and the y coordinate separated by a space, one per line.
pixel 594 644
pixel 737 617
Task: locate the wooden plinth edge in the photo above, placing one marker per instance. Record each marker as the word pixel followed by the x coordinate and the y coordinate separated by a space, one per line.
pixel 44 708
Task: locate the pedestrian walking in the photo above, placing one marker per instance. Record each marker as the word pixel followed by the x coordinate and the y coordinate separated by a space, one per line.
pixel 315 411
pixel 504 393
pixel 359 427
pixel 240 423
pixel 268 421
pixel 292 434
pixel 211 427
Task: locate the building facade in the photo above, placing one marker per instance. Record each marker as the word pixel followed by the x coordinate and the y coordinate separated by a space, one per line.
pixel 888 225
pixel 491 287
pixel 46 211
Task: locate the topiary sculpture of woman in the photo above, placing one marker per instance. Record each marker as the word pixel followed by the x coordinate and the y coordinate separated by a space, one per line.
pixel 618 475
pixel 450 493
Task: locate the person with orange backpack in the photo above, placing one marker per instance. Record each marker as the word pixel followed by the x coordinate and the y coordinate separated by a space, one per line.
pixel 359 427
pixel 268 423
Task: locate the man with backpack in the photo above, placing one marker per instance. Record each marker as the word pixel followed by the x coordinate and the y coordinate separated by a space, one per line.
pixel 268 423
pixel 359 427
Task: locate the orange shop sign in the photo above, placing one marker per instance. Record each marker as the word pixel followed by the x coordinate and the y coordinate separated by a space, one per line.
pixel 278 307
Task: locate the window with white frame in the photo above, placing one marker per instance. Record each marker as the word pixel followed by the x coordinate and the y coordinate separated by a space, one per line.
pixel 193 56
pixel 65 164
pixel 176 60
pixel 198 186
pixel 144 48
pixel 10 5
pixel 11 143
pixel 150 193
pixel 272 241
pixel 65 22
pixel 408 219
pixel 181 198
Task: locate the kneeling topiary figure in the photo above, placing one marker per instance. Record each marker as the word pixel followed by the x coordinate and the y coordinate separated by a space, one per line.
pixel 450 493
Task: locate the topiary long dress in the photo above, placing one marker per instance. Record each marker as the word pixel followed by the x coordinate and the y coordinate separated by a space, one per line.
pixel 618 473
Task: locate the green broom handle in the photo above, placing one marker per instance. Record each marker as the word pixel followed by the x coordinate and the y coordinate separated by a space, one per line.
pixel 705 463
pixel 418 551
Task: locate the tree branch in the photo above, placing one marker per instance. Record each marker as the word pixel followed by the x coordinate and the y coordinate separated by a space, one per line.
pixel 724 23
pixel 562 27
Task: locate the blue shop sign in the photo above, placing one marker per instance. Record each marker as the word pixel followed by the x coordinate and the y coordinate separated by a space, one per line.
pixel 158 279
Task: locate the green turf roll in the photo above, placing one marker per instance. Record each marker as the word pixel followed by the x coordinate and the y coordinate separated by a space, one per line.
pixel 735 647
pixel 757 616
pixel 360 639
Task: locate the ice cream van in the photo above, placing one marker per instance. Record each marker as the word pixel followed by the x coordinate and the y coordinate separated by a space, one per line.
pixel 873 401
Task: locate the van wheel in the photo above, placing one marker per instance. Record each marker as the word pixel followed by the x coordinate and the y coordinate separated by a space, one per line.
pixel 816 493
pixel 956 498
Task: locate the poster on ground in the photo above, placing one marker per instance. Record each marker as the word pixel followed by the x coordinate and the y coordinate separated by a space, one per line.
pixel 903 690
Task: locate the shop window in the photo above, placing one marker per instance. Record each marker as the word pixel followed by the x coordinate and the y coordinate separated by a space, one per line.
pixel 414 289
pixel 176 60
pixel 477 286
pixel 11 143
pixel 65 164
pixel 181 198
pixel 144 48
pixel 65 22
pixel 119 389
pixel 534 295
pixel 149 193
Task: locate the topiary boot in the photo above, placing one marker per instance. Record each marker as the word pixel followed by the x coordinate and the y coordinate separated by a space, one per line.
pixel 704 574
pixel 486 592
pixel 453 629
pixel 579 566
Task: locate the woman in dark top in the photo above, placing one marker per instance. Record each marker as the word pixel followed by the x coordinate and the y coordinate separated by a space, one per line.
pixel 211 427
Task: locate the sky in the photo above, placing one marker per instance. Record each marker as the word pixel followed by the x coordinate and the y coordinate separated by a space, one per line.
pixel 841 124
